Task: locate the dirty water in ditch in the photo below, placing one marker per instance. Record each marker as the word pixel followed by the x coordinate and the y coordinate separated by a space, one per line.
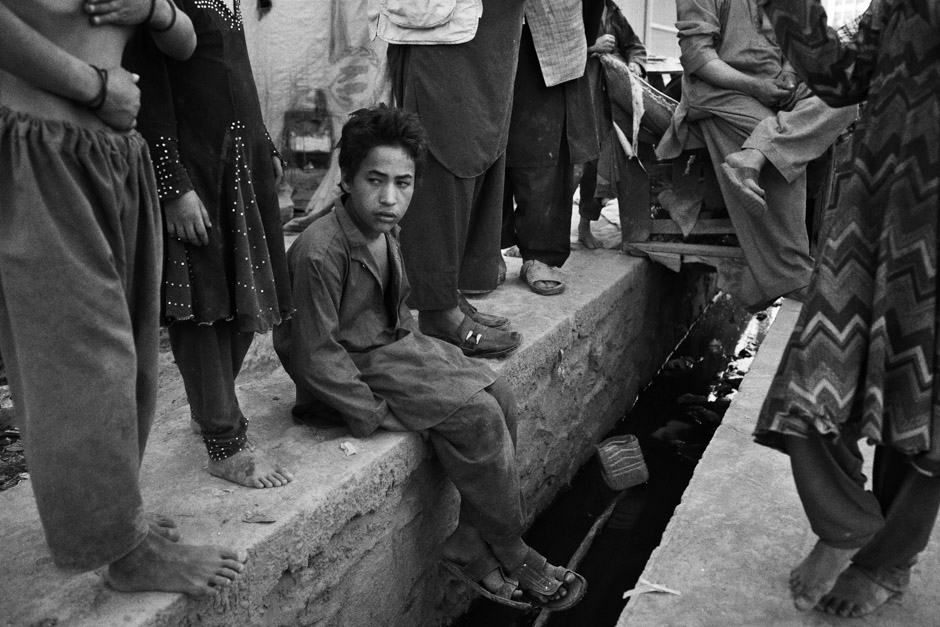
pixel 674 418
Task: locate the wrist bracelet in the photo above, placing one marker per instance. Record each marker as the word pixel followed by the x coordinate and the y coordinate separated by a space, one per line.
pixel 98 101
pixel 172 19
pixel 153 6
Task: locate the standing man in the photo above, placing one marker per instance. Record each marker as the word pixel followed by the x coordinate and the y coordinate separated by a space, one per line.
pixel 450 239
pixel 552 128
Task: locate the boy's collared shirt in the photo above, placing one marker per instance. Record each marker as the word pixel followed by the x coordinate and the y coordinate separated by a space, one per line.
pixel 354 345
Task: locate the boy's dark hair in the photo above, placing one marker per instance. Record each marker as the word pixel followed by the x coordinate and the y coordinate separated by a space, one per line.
pixel 381 125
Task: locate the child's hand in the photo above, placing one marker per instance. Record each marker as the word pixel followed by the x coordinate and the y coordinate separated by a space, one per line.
pixel 119 12
pixel 122 100
pixel 187 219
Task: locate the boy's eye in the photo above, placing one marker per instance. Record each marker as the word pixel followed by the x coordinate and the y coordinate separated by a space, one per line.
pixel 404 184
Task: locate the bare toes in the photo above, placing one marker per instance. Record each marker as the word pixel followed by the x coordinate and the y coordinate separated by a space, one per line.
pixel 239 557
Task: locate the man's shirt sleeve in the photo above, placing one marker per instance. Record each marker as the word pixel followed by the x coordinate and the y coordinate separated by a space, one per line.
pixel 699 25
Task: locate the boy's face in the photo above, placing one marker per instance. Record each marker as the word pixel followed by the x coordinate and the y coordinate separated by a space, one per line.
pixel 380 192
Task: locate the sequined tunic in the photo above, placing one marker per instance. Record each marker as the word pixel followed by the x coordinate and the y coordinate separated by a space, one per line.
pixel 203 122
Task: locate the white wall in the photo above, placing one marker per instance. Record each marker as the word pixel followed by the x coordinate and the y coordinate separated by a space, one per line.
pixel 290 57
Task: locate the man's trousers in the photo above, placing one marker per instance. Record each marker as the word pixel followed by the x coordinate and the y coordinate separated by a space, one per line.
pixel 775 244
pixel 450 235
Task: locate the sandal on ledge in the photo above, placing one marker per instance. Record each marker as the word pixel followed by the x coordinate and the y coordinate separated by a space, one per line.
pixel 476 340
pixel 473 573
pixel 534 576
pixel 535 272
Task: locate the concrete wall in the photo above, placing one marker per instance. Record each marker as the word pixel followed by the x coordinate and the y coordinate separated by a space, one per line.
pixel 573 384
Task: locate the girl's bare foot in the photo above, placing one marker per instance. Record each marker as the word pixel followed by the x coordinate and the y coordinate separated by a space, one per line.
pixel 817 573
pixel 157 564
pixel 251 469
pixel 586 237
pixel 163 526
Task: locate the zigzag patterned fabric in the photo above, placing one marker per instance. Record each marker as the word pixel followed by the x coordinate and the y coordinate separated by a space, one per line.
pixel 865 348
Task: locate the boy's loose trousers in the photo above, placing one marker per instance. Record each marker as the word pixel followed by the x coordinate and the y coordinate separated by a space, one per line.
pixel 79 286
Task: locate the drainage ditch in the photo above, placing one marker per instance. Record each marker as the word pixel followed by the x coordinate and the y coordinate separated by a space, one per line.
pixel 674 418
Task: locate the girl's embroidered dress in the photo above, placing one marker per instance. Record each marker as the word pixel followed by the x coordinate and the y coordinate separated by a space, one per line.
pixel 203 121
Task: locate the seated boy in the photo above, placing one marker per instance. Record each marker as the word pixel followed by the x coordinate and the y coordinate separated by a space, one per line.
pixel 354 350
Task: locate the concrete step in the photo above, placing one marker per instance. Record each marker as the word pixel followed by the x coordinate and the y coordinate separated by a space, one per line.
pixel 740 528
pixel 356 539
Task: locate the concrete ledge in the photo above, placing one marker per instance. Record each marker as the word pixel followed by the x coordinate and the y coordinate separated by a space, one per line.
pixel 740 528
pixel 356 539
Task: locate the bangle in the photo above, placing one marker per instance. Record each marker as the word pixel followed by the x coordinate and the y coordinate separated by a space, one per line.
pixel 98 101
pixel 153 6
pixel 172 19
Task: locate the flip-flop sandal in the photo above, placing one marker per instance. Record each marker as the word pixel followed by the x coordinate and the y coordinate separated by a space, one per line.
pixel 750 200
pixel 476 340
pixel 533 577
pixel 487 320
pixel 534 272
pixel 474 572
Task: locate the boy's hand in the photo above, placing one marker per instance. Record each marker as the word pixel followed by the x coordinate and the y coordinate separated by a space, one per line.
pixel 187 219
pixel 122 101
pixel 119 12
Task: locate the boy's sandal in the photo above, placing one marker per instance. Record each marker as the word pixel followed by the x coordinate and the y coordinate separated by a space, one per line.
pixel 476 340
pixel 741 192
pixel 473 573
pixel 534 576
pixel 534 272
pixel 487 320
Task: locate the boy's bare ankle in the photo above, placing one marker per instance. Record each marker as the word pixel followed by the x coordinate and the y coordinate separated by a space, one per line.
pixel 510 554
